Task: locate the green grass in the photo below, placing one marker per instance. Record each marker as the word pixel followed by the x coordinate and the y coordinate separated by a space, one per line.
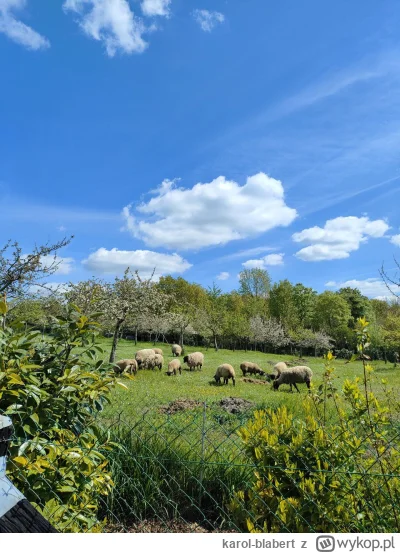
pixel 186 465
pixel 151 389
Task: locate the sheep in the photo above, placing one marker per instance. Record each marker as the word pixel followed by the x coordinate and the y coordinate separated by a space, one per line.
pixel 173 367
pixel 251 368
pixel 158 350
pixel 279 367
pixel 158 361
pixel 293 376
pixel 194 360
pixel 126 364
pixel 176 350
pixel 145 358
pixel 226 372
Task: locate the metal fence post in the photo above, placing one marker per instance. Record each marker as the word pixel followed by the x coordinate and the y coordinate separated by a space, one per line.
pixel 16 513
pixel 203 438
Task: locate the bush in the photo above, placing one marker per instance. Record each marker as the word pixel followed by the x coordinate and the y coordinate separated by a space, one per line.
pixel 52 388
pixel 319 477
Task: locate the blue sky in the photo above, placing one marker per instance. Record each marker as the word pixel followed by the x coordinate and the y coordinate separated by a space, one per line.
pixel 203 137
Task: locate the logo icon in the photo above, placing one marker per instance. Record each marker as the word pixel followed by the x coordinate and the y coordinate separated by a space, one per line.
pixel 325 544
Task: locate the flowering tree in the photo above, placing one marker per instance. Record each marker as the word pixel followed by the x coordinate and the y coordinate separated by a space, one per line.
pixel 268 331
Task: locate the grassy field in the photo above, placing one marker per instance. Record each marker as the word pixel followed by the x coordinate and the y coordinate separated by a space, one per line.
pixel 185 465
pixel 151 389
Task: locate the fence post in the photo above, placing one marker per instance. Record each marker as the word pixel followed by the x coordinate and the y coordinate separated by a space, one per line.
pixel 16 513
pixel 203 436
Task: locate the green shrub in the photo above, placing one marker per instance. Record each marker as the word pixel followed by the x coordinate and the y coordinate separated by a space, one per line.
pixel 52 388
pixel 312 475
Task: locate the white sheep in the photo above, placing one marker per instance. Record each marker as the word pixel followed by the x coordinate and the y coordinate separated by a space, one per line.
pixel 293 376
pixel 176 350
pixel 158 350
pixel 226 372
pixel 126 364
pixel 194 360
pixel 145 358
pixel 158 361
pixel 173 367
pixel 251 368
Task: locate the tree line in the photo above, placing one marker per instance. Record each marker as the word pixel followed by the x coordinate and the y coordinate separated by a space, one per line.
pixel 259 314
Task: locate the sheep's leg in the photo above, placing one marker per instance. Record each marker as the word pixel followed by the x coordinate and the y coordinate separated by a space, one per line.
pixel 295 385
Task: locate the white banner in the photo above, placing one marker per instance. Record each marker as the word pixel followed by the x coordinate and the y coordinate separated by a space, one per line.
pixel 204 543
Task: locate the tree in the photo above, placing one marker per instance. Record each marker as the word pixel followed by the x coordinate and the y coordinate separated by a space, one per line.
pixel 268 331
pixel 332 314
pixel 211 319
pixel 127 295
pixel 304 299
pixel 255 283
pixel 89 295
pixel 19 272
pixel 282 305
pixel 359 304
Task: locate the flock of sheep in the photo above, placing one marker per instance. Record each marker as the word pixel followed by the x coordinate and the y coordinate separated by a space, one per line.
pixel 153 358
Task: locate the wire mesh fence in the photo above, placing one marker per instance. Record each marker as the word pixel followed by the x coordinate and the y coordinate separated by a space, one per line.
pixel 213 466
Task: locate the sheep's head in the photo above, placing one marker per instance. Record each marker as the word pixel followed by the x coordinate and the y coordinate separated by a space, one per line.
pixel 275 385
pixel 216 378
pixel 186 359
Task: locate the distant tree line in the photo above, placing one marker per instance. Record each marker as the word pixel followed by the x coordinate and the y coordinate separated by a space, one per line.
pixel 259 315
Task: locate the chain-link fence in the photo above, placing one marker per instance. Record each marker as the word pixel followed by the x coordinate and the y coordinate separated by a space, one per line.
pixel 215 466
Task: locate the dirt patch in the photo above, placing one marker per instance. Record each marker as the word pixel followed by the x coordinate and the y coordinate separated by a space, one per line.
pixel 179 405
pixel 253 381
pixel 235 405
pixel 156 526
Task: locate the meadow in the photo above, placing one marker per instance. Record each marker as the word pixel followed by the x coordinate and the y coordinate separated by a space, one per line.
pixel 183 463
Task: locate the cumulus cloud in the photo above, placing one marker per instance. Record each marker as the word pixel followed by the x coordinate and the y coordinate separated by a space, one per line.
pixel 210 214
pixel 338 238
pixel 116 262
pixel 152 8
pixel 64 264
pixel 371 287
pixel 18 31
pixel 208 19
pixel 395 240
pixel 266 261
pixel 111 22
pixel 223 276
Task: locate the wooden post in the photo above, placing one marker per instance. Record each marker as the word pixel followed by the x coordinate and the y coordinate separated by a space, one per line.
pixel 16 513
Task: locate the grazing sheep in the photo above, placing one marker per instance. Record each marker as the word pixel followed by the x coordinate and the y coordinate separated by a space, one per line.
pixel 126 364
pixel 226 372
pixel 279 367
pixel 173 367
pixel 251 368
pixel 194 360
pixel 158 350
pixel 145 358
pixel 176 350
pixel 158 361
pixel 293 376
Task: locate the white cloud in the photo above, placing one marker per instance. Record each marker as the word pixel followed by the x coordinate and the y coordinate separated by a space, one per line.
pixel 111 22
pixel 64 264
pixel 61 228
pixel 395 240
pixel 48 288
pixel 208 19
pixel 266 261
pixel 18 31
pixel 246 253
pixel 116 261
pixel 210 214
pixel 338 238
pixel 151 8
pixel 370 287
pixel 223 276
